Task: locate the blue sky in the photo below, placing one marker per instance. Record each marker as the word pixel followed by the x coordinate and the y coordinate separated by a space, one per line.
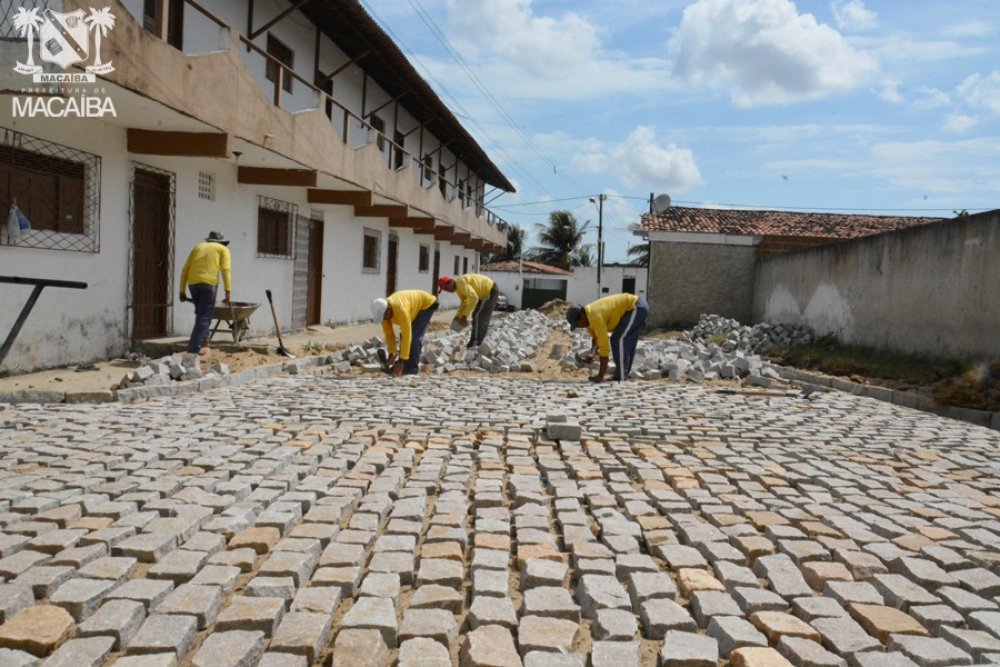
pixel 877 106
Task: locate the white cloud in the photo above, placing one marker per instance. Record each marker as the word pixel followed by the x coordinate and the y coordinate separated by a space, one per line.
pixel 765 52
pixel 972 28
pixel 852 15
pixel 937 166
pixel 640 161
pixel 981 92
pixel 931 98
pixel 890 92
pixel 523 54
pixel 957 123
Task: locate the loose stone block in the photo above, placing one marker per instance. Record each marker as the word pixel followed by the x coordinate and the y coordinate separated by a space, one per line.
pixel 235 648
pixel 929 651
pixel 14 598
pixel 252 614
pixel 89 652
pixel 162 633
pixel 146 591
pixel 614 625
pixel 489 646
pixel 81 597
pixel 757 657
pixel 595 592
pixel 303 633
pixel 538 633
pixel 661 615
pixel 687 649
pixel 371 613
pixel 319 599
pixel 118 619
pixel 552 602
pixel 844 636
pixel 881 621
pixel 707 604
pixel 360 648
pixel 436 624
pixel 617 654
pixel 38 629
pixel 492 611
pixel 808 653
pixel 201 602
pixel 733 633
pixel 421 652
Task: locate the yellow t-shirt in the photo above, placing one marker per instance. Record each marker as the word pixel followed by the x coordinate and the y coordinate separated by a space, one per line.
pixel 604 315
pixel 406 304
pixel 470 288
pixel 204 263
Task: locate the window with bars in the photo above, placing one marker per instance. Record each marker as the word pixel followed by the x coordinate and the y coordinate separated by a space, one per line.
pixel 399 156
pixel 425 259
pixel 284 55
pixel 427 172
pixel 465 265
pixel 455 272
pixel 378 126
pixel 371 251
pixel 56 188
pixel 206 186
pixel 275 228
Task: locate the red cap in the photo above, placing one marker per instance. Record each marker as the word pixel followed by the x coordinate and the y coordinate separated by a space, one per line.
pixel 442 281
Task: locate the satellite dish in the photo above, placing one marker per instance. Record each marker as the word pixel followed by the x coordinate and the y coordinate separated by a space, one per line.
pixel 661 204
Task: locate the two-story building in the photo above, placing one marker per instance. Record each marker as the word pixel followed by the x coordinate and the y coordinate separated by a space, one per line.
pixel 299 130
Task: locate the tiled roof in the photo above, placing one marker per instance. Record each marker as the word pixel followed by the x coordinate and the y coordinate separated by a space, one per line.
pixel 775 223
pixel 528 267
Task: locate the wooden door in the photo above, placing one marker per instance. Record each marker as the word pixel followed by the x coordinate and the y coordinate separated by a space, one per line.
pixel 315 273
pixel 390 274
pixel 437 271
pixel 151 236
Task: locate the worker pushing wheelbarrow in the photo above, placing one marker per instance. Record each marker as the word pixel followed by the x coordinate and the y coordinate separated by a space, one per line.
pixel 201 274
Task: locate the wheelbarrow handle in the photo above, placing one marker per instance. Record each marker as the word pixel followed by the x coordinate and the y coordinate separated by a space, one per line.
pixel 268 292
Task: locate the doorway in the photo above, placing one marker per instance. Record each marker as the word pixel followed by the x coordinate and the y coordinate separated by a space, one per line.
pixel 628 285
pixel 314 279
pixel 437 271
pixel 152 240
pixel 390 274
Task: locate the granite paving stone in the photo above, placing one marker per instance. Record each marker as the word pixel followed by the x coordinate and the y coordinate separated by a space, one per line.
pixel 332 517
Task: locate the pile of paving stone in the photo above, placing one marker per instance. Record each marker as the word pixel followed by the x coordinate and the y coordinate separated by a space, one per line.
pixel 165 370
pixel 757 339
pixel 510 347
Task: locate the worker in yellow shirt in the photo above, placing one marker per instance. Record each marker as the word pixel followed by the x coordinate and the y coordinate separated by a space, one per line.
pixel 478 295
pixel 621 314
pixel 201 274
pixel 411 310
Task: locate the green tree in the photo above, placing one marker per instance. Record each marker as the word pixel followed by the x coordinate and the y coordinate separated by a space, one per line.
pixel 562 242
pixel 515 242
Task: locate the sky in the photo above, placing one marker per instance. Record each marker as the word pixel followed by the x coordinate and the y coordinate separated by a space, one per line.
pixel 889 107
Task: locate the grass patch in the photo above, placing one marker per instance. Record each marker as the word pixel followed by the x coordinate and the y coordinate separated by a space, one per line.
pixel 716 339
pixel 828 356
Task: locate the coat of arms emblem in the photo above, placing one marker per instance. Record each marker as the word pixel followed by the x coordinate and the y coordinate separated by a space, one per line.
pixel 63 37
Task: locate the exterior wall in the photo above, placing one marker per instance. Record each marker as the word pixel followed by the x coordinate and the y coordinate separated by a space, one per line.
pixel 582 285
pixel 688 279
pixel 930 290
pixel 67 325
pixel 510 284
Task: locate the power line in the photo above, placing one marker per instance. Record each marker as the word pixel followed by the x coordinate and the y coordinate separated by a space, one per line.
pixel 478 83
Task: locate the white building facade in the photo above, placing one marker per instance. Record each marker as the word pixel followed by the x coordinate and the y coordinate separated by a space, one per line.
pixel 298 131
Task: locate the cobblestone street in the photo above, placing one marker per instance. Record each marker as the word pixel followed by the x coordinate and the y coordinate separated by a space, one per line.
pixel 310 520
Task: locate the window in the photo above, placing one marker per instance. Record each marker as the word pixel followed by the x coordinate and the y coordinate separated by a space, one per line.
pixel 442 182
pixel 55 187
pixel 461 192
pixel 378 126
pixel 152 20
pixel 152 16
pixel 206 186
pixel 399 157
pixel 428 170
pixel 283 55
pixel 425 259
pixel 371 251
pixel 275 228
pixel 465 265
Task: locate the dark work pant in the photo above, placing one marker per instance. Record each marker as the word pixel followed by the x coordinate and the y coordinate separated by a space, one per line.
pixel 419 327
pixel 626 337
pixel 481 316
pixel 203 297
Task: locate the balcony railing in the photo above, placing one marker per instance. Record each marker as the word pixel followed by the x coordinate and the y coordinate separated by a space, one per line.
pixel 393 153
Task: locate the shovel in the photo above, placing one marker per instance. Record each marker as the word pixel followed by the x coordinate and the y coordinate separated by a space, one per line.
pixel 281 346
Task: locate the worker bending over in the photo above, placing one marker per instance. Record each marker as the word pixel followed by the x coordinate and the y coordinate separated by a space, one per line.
pixel 411 310
pixel 622 314
pixel 478 295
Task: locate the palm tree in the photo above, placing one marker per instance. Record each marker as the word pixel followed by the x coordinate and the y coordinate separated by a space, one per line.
pixel 100 21
pixel 515 242
pixel 562 241
pixel 640 251
pixel 27 22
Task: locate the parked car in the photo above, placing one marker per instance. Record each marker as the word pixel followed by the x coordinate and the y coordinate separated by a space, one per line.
pixel 503 304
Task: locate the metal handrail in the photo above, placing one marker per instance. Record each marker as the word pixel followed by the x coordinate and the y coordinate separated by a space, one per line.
pixel 282 70
pixel 39 284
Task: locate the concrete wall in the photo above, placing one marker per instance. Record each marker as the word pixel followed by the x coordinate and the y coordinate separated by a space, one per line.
pixel 510 284
pixel 931 290
pixel 688 279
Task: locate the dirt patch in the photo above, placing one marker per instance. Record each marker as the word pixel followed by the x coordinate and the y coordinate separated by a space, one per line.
pixel 978 389
pixel 555 309
pixel 549 369
pixel 244 359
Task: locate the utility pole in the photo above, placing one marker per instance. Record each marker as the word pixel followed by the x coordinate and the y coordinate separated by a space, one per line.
pixel 600 238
